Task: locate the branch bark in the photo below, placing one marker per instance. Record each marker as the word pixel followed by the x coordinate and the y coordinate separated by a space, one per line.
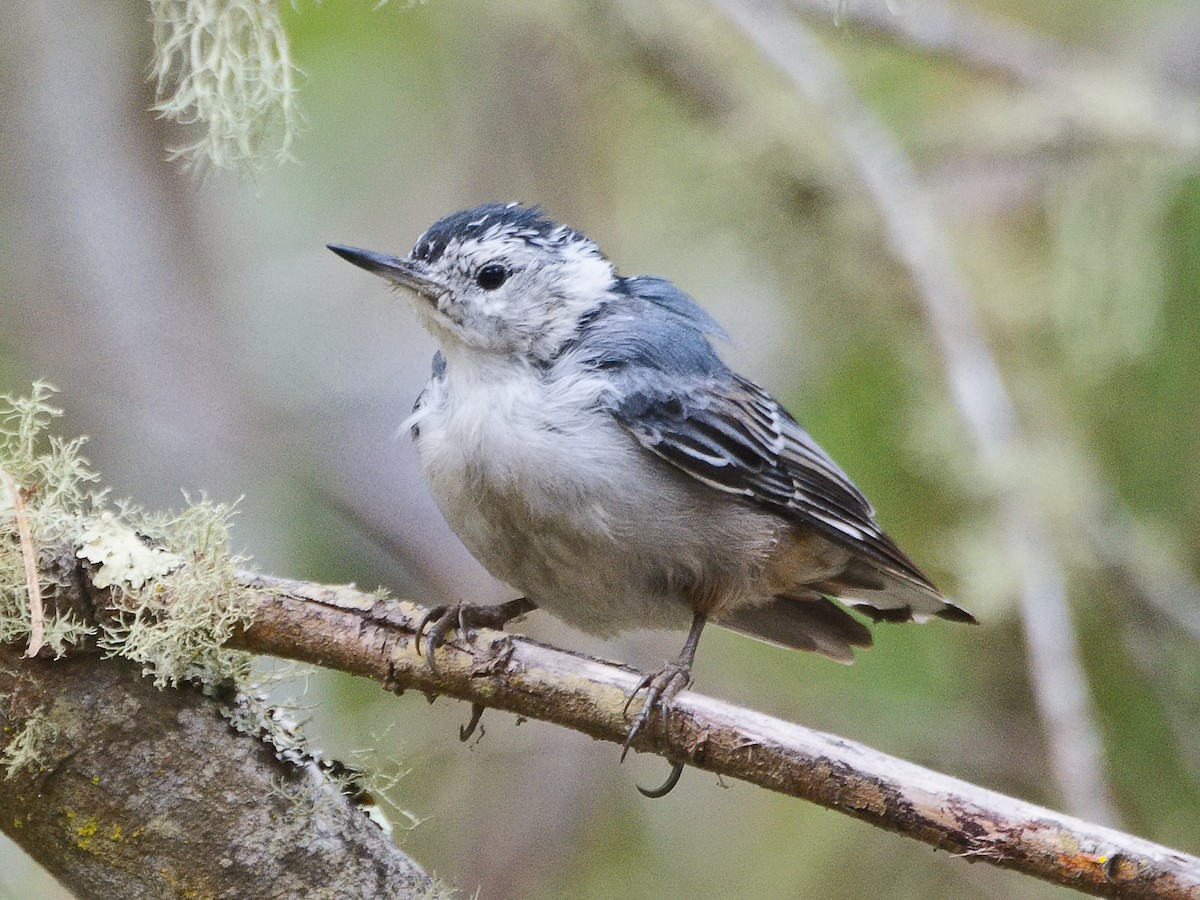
pixel 146 793
pixel 362 634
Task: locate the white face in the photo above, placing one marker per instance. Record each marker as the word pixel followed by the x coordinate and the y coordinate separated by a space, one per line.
pixel 502 289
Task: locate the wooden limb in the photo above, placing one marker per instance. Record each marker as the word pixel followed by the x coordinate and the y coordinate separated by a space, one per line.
pixel 359 633
pixel 120 789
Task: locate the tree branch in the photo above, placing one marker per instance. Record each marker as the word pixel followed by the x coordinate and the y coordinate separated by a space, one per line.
pixel 125 790
pixel 362 634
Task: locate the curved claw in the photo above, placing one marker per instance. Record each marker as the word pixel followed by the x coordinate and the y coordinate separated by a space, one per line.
pixel 442 621
pixel 431 644
pixel 464 616
pixel 436 613
pixel 666 787
pixel 660 687
pixel 643 683
pixel 465 731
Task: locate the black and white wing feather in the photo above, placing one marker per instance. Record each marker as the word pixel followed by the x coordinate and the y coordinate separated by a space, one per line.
pixel 676 397
pixel 731 434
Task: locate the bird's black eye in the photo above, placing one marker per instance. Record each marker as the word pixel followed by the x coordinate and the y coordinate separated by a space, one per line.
pixel 492 276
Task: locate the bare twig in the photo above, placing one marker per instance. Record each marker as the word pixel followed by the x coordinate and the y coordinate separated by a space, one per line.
pixel 975 384
pixel 361 634
pixel 33 589
pixel 956 33
pixel 1078 91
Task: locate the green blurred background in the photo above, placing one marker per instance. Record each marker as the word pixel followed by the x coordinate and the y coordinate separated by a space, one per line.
pixel 205 339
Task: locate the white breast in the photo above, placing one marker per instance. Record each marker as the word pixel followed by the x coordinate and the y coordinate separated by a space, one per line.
pixel 552 495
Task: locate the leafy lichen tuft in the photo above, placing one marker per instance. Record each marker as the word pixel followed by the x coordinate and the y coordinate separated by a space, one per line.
pixel 59 492
pixel 176 627
pixel 27 749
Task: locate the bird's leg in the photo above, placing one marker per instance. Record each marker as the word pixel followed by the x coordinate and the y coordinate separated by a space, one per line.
pixel 465 616
pixel 663 685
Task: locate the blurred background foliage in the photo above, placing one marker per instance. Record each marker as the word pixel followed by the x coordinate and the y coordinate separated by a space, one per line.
pixel 204 339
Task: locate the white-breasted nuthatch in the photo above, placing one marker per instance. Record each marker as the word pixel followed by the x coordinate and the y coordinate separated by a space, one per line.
pixel 584 439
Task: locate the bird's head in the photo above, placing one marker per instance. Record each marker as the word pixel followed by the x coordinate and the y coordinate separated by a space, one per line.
pixel 498 279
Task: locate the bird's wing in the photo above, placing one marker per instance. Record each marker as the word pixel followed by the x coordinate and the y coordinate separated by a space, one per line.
pixel 731 434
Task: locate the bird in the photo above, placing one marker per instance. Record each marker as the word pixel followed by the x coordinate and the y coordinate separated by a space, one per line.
pixel 585 440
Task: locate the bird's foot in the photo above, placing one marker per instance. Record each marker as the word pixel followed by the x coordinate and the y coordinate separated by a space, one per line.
pixel 660 687
pixel 465 617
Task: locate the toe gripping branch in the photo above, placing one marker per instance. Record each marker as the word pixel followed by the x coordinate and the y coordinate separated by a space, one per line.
pixel 465 617
pixel 661 687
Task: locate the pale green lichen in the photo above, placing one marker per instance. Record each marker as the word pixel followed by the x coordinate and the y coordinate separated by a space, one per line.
pixel 59 492
pixel 440 890
pixel 377 777
pixel 176 627
pixel 122 556
pixel 27 749
pixel 225 67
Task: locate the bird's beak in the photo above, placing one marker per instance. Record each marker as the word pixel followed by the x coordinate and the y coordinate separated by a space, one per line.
pixel 399 270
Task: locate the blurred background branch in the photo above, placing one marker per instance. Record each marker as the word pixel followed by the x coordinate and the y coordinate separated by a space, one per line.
pixel 956 34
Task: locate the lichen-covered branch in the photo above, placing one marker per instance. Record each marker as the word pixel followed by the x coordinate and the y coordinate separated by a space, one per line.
pixel 120 789
pixel 362 634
